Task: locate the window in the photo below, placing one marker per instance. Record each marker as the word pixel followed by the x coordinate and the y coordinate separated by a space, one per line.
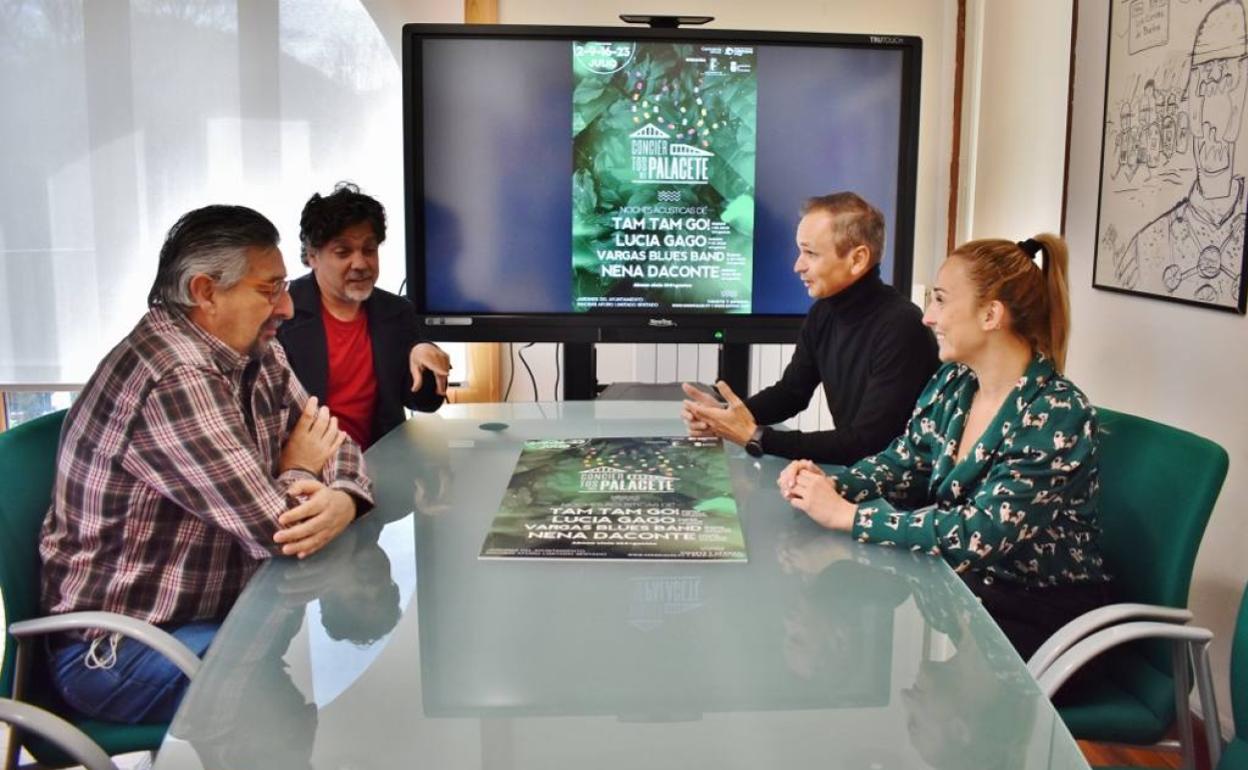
pixel 24 406
pixel 149 108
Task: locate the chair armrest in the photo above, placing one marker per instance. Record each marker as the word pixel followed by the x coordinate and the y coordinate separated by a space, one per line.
pixel 31 719
pixel 1091 646
pixel 1094 620
pixel 158 639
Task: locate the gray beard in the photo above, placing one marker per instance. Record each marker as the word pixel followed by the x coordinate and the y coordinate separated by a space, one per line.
pixel 358 295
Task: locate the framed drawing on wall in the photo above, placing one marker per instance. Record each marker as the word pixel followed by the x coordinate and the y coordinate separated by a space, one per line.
pixel 1174 153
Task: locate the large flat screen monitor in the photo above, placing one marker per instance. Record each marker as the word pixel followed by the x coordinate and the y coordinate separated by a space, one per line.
pixel 617 184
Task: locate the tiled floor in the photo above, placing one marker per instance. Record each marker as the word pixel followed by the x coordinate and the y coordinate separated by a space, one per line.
pixel 1113 755
pixel 1104 755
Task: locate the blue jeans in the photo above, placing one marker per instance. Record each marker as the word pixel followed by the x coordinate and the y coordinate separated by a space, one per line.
pixel 130 682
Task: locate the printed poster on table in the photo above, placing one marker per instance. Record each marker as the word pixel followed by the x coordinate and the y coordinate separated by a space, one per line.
pixel 663 143
pixel 619 498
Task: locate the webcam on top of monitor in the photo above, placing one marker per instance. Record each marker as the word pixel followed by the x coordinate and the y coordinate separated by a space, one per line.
pixel 664 22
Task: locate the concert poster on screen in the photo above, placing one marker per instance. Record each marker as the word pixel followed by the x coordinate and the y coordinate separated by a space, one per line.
pixel 663 143
pixel 619 499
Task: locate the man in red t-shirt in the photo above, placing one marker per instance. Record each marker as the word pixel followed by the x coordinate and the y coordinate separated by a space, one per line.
pixel 351 344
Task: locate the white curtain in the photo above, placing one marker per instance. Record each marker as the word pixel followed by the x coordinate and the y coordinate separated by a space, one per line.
pixel 122 115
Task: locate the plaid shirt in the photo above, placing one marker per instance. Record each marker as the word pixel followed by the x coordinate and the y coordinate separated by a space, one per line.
pixel 167 489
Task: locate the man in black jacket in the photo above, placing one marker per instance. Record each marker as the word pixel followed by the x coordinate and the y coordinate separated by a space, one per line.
pixel 352 345
pixel 863 341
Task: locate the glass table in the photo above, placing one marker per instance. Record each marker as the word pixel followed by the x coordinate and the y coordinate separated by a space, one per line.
pixel 397 647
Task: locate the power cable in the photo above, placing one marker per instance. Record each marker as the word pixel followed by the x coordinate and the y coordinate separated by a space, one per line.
pixel 511 372
pixel 528 368
pixel 558 367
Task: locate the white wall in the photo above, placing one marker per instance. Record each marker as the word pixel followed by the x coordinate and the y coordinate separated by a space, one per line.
pixel 1180 365
pixel 425 11
pixel 1014 118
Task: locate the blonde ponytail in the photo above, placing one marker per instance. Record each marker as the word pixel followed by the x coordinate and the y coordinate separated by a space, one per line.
pixel 1055 263
pixel 1038 298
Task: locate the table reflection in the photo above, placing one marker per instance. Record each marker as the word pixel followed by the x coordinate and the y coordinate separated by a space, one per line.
pixel 396 645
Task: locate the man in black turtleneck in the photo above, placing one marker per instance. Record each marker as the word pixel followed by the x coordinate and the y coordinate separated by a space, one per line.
pixel 863 341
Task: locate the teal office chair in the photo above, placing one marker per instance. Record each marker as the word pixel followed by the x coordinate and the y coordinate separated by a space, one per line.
pixel 1234 755
pixel 1158 488
pixel 39 721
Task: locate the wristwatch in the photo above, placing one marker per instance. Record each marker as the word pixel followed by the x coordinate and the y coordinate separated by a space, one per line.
pixel 754 447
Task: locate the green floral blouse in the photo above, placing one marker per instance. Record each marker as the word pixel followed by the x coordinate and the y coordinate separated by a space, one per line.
pixel 1021 506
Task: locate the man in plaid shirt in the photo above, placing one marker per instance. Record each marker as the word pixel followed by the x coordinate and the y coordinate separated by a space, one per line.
pixel 192 454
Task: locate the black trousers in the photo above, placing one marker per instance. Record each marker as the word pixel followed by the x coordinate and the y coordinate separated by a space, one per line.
pixel 1029 616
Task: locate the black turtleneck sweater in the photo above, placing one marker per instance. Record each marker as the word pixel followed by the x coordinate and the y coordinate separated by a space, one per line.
pixel 868 347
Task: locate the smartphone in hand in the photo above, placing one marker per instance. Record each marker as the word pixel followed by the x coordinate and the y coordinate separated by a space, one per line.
pixel 710 390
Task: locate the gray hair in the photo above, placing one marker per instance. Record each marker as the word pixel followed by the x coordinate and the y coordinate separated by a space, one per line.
pixel 210 241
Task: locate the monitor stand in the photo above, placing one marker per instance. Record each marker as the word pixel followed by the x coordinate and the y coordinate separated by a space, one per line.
pixel 580 380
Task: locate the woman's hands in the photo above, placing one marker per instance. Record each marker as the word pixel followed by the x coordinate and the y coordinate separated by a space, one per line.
pixel 810 490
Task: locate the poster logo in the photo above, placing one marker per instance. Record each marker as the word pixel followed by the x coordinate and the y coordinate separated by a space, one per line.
pixel 607 479
pixel 658 160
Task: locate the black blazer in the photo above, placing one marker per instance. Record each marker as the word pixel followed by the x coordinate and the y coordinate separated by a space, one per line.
pixel 392 329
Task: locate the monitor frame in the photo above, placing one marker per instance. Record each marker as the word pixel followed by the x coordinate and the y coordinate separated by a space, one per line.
pixel 633 327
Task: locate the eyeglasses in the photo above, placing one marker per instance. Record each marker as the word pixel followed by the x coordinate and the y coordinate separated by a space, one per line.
pixel 271 290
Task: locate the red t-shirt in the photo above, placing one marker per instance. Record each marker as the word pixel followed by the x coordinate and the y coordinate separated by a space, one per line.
pixel 352 388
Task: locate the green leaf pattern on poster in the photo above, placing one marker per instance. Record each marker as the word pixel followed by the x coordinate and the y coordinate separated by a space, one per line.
pixel 740 215
pixel 663 86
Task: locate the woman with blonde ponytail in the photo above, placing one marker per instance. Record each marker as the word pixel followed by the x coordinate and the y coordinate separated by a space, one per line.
pixel 997 470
